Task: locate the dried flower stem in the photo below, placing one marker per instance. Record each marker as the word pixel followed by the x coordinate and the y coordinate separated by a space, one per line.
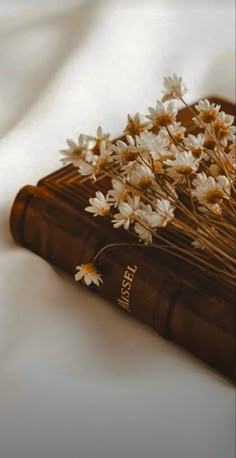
pixel 168 187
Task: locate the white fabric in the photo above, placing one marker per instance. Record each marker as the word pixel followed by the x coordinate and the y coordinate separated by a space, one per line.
pixel 79 379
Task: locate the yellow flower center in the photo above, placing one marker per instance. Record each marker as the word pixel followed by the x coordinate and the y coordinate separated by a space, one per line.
pixel 104 211
pixel 145 182
pixel 102 163
pixel 78 151
pixel 209 144
pixel 184 170
pixel 90 268
pixel 197 151
pixel 164 120
pixel 157 166
pixel 130 154
pixel 178 135
pixel 133 128
pixel 221 129
pixel 208 116
pixel 214 195
pixel 96 148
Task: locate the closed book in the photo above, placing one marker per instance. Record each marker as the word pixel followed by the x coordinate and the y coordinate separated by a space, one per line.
pixel 181 303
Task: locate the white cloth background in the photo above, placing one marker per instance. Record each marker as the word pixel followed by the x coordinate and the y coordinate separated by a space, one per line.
pixel 79 379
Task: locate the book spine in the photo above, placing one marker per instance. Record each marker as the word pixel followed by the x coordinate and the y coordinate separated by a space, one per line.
pixel 134 278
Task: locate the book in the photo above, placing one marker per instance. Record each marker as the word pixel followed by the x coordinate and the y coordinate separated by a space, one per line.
pixel 168 294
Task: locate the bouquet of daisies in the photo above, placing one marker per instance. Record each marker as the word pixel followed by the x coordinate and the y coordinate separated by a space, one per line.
pixel 172 190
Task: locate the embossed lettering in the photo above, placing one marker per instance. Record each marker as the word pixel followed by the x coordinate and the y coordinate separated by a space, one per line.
pixel 124 299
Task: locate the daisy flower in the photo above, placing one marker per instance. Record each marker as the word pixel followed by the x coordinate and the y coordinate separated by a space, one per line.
pixel 89 274
pixel 127 169
pixel 101 137
pixel 142 227
pixel 125 152
pixel 174 88
pixel 99 205
pixel 155 144
pixel 208 112
pixel 77 151
pixel 211 191
pixel 96 163
pixel 143 232
pixel 160 216
pixel 176 130
pixel 136 125
pixel 223 128
pixel 184 164
pixel 118 193
pixel 87 169
pixel 149 219
pixel 195 143
pixel 127 212
pixel 162 115
pixel 165 212
pixel 105 156
pixel 141 176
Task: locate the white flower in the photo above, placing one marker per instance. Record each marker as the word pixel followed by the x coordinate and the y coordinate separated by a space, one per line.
pixel 176 132
pixel 224 183
pixel 99 205
pixel 127 169
pixel 125 152
pixel 149 219
pixel 155 144
pixel 174 88
pixel 136 125
pixel 89 274
pixel 98 139
pixel 195 144
pixel 142 227
pixel 185 164
pixel 205 106
pixel 127 212
pixel 223 128
pixel 165 212
pixel 87 169
pixel 210 191
pixel 118 193
pixel 162 115
pixel 143 232
pixel 141 176
pixel 77 151
pixel 160 216
pixel 96 163
pixel 105 155
pixel 208 112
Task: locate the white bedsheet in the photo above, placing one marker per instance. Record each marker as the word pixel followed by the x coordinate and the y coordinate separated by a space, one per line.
pixel 79 379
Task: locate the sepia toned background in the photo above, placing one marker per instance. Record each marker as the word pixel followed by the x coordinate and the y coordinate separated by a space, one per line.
pixel 78 378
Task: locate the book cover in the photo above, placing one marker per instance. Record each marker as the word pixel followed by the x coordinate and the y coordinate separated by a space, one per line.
pixel 169 295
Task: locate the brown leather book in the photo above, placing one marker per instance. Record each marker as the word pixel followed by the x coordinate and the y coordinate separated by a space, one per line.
pixel 168 294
